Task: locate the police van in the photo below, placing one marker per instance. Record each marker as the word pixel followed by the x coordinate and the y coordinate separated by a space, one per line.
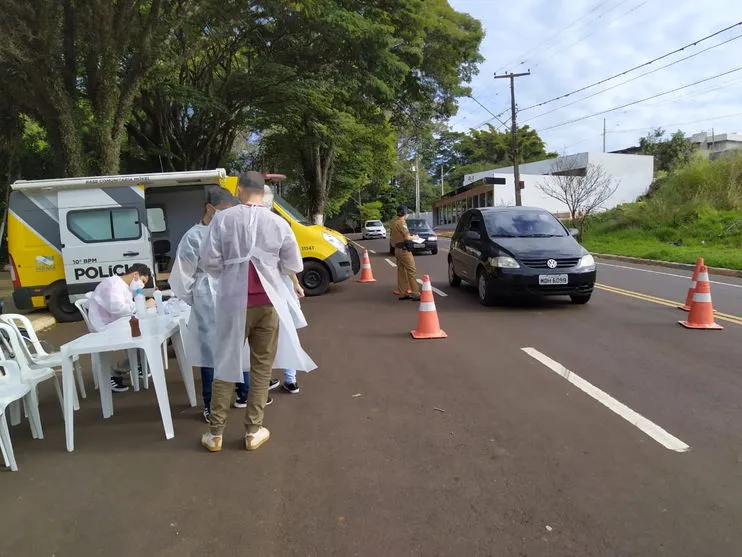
pixel 66 235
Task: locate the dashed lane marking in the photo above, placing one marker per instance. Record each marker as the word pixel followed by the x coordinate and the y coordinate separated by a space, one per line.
pixel 661 301
pixel 654 431
pixel 391 263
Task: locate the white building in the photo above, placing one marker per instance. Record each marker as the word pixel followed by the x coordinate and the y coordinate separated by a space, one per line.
pixel 713 145
pixel 631 173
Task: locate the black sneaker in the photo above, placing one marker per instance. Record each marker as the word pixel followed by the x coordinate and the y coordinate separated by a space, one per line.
pixel 292 388
pixel 141 375
pixel 243 403
pixel 274 383
pixel 117 385
pixel 207 415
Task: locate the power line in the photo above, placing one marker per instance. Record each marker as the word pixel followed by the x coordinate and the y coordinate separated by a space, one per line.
pixel 558 34
pixel 595 30
pixel 634 78
pixel 642 100
pixel 632 69
pixel 494 116
pixel 634 130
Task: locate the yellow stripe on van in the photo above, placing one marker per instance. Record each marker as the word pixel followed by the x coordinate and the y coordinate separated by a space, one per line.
pixel 36 262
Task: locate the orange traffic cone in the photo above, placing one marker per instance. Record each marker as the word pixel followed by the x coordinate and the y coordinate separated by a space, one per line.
pixel 692 289
pixel 701 309
pixel 366 274
pixel 427 317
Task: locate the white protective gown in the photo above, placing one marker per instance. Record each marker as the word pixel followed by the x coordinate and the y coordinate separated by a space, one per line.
pixel 190 283
pixel 110 301
pixel 237 237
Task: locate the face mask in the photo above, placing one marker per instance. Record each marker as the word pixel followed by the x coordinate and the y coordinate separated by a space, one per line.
pixel 135 285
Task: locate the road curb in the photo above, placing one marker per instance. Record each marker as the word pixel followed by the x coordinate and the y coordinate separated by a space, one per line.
pixel 720 271
pixel 41 322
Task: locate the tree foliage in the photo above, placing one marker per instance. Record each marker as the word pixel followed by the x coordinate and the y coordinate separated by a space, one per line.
pixel 77 68
pixel 669 154
pixel 370 211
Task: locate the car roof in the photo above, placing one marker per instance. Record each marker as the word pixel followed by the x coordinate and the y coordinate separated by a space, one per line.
pixel 511 209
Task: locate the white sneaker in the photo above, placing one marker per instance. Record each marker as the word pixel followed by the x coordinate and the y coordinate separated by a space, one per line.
pixel 255 440
pixel 212 443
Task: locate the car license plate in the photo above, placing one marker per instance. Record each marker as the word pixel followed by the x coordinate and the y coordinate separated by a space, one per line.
pixel 546 280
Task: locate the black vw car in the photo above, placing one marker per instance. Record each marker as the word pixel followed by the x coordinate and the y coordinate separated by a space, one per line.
pixel 420 227
pixel 519 251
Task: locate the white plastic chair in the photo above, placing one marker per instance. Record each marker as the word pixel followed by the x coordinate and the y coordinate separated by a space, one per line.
pixel 32 377
pixel 12 390
pixel 39 358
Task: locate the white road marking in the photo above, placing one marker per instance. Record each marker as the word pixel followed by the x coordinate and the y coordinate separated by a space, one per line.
pixel 666 274
pixel 371 251
pixel 650 428
pixel 439 292
pixel 392 263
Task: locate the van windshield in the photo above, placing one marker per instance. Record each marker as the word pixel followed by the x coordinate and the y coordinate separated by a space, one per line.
pixel 290 210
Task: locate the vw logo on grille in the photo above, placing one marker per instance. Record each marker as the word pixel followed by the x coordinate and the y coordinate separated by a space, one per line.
pixel 551 264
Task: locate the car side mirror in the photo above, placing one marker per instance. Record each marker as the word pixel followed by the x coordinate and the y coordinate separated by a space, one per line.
pixel 472 235
pixel 574 232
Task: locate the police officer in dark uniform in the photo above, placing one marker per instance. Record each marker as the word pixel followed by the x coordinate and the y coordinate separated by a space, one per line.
pixel 407 285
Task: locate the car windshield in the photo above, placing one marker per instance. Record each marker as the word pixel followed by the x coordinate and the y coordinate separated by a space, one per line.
pixel 374 224
pixel 417 225
pixel 523 224
pixel 291 211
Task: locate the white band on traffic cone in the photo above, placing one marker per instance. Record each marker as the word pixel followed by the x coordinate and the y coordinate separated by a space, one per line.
pixel 702 298
pixel 427 287
pixel 427 306
pixel 703 277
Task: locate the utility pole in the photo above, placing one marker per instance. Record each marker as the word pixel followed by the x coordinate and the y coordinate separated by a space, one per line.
pixel 604 135
pixel 417 184
pixel 516 169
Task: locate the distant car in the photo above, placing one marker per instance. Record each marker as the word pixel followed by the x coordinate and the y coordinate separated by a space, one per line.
pixel 373 229
pixel 420 227
pixel 519 251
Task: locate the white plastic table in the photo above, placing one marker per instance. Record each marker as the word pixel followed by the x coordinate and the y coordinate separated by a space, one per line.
pixel 117 336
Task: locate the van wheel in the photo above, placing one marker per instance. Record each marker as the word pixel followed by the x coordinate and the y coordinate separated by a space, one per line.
pixel 60 306
pixel 315 279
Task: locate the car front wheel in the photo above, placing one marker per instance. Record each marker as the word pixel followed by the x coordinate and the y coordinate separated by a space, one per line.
pixel 580 299
pixel 486 290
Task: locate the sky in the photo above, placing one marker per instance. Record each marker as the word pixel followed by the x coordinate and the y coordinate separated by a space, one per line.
pixel 570 44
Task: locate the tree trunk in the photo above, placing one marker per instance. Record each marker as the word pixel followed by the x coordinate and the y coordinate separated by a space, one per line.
pixel 317 160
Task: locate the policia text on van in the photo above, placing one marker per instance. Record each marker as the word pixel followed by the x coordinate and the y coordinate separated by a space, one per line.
pixel 66 235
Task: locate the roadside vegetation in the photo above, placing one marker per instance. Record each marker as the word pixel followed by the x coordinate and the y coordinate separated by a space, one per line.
pixel 694 210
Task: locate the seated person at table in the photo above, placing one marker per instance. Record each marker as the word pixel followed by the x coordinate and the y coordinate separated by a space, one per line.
pixel 112 300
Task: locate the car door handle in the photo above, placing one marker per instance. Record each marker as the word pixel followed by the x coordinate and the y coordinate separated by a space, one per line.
pixel 131 254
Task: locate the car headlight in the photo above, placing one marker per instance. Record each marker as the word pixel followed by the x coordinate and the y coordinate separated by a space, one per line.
pixel 504 262
pixel 586 261
pixel 334 241
pixel 432 238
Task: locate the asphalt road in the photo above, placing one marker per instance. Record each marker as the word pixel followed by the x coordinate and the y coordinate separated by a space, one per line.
pixel 463 446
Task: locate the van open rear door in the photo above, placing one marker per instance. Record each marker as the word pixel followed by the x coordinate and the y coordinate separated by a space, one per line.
pixel 103 232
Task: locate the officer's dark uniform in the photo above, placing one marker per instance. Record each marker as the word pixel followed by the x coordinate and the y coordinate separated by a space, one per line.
pixel 406 272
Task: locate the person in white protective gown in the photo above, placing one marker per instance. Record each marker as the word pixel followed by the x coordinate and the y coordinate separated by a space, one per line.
pixel 191 284
pixel 248 249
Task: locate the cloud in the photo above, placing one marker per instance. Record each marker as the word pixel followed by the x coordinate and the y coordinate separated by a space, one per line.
pixel 568 45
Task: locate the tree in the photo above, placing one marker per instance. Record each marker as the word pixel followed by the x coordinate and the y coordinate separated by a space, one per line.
pixel 584 190
pixel 370 211
pixel 485 149
pixel 366 65
pixel 669 154
pixel 77 67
